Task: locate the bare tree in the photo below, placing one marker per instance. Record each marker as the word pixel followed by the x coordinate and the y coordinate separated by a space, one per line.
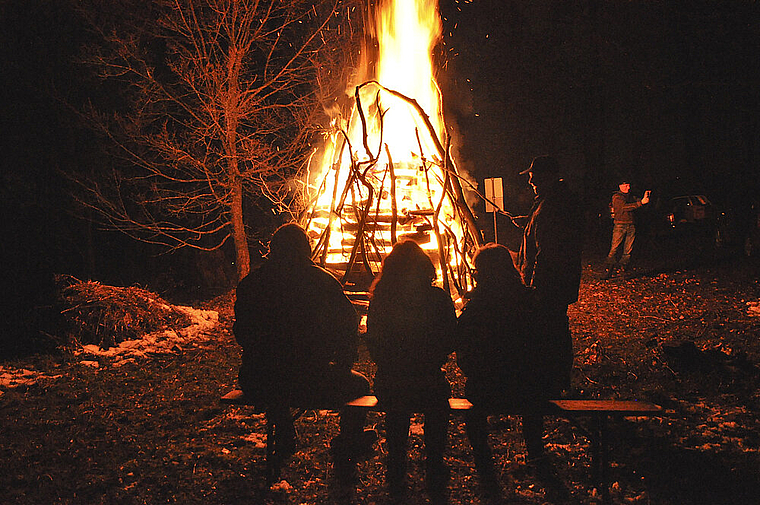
pixel 214 102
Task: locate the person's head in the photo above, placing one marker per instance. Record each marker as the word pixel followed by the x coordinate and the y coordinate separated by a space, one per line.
pixel 494 267
pixel 407 265
pixel 543 172
pixel 290 244
pixel 625 186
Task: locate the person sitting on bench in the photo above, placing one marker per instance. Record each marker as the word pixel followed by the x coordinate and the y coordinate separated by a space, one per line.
pixel 410 331
pixel 298 331
pixel 497 352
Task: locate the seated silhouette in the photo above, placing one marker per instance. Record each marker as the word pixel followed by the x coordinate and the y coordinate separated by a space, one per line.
pixel 500 354
pixel 298 331
pixel 410 330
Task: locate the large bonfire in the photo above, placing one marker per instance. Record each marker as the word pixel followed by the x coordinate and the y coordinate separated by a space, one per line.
pixel 385 173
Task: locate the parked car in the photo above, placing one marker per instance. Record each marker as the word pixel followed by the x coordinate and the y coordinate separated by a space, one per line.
pixel 689 209
pixel 696 217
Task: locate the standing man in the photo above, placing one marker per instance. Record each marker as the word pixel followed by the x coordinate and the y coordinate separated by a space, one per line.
pixel 549 262
pixel 624 228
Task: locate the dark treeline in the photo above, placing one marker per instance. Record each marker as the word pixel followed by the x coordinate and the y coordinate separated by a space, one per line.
pixel 665 92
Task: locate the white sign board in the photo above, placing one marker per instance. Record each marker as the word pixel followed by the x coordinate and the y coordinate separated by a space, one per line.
pixel 495 194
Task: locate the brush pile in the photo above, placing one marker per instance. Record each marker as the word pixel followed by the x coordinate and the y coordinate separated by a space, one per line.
pixel 107 315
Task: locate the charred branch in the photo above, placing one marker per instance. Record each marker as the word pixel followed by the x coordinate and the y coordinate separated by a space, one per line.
pixel 355 207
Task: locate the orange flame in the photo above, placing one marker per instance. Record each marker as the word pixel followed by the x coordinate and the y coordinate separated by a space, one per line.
pixel 384 175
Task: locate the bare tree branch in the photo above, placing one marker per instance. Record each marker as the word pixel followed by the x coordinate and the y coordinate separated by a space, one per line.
pixel 214 105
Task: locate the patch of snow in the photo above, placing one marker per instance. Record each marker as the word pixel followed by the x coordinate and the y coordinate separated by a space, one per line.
pixel 416 428
pixel 124 361
pixel 14 377
pixel 261 416
pixel 167 341
pixel 282 486
pixel 311 483
pixel 753 308
pixel 259 440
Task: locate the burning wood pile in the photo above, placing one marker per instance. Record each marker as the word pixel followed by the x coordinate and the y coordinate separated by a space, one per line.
pixel 385 174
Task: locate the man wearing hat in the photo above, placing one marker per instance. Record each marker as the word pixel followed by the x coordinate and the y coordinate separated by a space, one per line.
pixel 549 262
pixel 624 228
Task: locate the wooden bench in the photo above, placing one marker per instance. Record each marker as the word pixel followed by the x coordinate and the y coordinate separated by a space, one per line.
pixel 599 411
pixel 274 458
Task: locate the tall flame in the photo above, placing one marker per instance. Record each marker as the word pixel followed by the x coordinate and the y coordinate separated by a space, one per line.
pixel 385 174
pixel 407 32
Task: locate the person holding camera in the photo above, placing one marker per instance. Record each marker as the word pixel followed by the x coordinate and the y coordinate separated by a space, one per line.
pixel 624 228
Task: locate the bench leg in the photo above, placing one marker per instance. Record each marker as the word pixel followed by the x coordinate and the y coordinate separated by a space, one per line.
pixel 600 462
pixel 273 456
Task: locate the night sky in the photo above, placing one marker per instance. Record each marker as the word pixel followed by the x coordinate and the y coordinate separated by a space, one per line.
pixel 666 93
pixel 663 92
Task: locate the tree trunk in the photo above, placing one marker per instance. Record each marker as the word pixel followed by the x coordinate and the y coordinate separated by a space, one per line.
pixel 238 230
pixel 232 117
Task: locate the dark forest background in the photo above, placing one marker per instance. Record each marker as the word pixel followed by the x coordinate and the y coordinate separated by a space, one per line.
pixel 664 92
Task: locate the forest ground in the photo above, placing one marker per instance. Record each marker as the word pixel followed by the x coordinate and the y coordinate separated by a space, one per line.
pixel 683 334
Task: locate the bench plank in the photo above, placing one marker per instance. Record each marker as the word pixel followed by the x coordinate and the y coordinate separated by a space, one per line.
pixel 599 410
pixel 608 407
pixel 577 407
pixel 459 404
pixel 365 402
pixel 236 396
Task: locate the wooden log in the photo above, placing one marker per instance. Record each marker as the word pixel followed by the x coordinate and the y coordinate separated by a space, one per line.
pixel 394 206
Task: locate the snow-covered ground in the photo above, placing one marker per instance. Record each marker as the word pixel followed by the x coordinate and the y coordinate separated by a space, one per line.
pixel 166 341
pixel 753 308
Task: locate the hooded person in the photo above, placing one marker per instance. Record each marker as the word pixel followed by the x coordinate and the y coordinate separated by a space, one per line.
pixel 494 350
pixel 410 333
pixel 298 331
